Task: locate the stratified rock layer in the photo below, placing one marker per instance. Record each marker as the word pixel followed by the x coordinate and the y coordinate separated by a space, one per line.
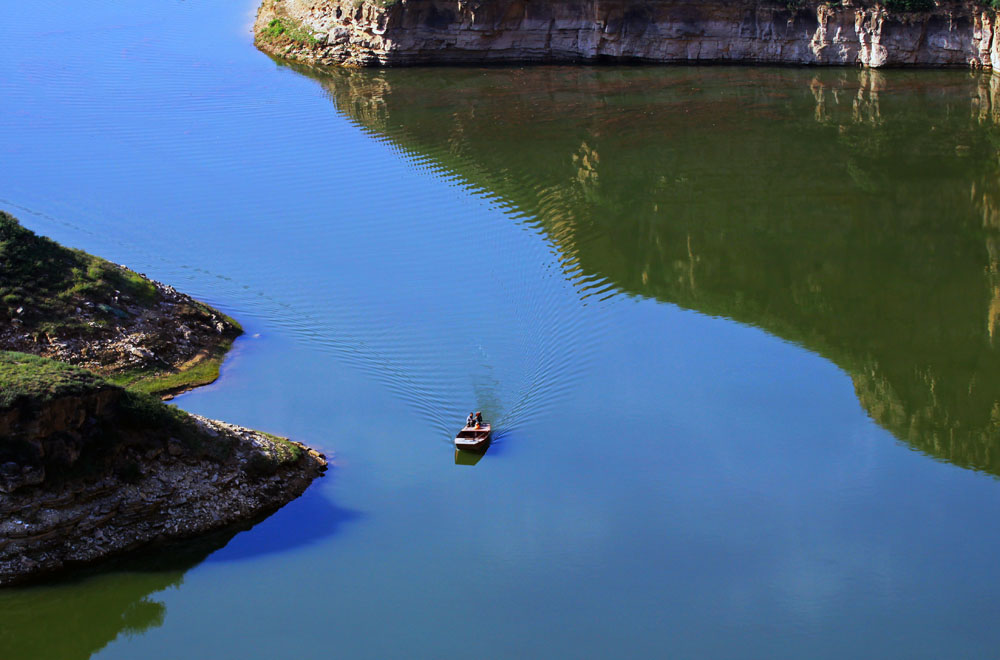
pixel 447 31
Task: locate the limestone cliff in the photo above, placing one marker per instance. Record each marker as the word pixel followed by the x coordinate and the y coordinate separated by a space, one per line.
pixel 89 470
pixel 411 32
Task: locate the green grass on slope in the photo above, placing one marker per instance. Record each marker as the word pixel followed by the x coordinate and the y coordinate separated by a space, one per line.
pixel 47 282
pixel 166 383
pixel 286 29
pixel 137 418
pixel 30 378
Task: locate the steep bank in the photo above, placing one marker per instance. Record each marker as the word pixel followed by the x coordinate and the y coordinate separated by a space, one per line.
pixel 89 470
pixel 409 32
pixel 77 308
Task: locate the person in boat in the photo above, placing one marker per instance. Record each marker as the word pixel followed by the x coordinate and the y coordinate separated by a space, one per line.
pixel 479 419
pixel 470 420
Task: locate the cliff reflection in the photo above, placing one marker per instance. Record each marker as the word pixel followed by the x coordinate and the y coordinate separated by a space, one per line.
pixel 852 212
pixel 78 613
pixel 75 617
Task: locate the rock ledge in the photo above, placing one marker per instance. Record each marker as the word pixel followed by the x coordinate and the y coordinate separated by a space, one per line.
pixel 408 32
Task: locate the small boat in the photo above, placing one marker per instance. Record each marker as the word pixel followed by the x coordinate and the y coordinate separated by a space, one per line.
pixel 474 439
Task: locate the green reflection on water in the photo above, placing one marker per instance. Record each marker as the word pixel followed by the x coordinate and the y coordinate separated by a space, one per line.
pixel 856 213
pixel 77 615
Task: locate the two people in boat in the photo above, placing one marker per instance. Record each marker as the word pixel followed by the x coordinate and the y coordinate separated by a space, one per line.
pixel 474 421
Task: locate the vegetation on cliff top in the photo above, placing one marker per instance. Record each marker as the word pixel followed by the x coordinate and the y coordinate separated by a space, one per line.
pixel 287 29
pixel 31 378
pixel 30 382
pixel 905 6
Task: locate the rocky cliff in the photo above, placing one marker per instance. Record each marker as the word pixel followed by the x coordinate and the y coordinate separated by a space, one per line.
pixel 89 470
pixel 410 32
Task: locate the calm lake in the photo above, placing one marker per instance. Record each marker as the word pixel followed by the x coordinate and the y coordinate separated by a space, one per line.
pixel 737 328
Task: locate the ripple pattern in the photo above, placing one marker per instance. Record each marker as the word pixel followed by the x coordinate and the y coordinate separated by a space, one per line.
pixel 249 190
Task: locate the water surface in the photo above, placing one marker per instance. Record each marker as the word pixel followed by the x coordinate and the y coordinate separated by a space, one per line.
pixel 736 325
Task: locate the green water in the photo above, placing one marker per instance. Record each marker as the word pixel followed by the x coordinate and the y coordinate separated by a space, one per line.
pixel 854 213
pixel 735 327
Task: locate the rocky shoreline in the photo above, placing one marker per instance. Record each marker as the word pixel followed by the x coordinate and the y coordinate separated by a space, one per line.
pixel 415 32
pixel 167 493
pixel 90 469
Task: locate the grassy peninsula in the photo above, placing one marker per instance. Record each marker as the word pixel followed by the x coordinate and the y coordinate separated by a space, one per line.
pixel 89 469
pixel 81 309
pixel 92 462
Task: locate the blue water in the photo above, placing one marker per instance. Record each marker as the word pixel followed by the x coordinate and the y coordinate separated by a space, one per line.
pixel 666 482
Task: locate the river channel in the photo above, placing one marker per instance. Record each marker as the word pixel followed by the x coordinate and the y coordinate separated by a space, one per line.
pixel 737 327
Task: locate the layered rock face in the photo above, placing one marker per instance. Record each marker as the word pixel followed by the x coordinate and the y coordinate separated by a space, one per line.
pixel 94 474
pixel 412 32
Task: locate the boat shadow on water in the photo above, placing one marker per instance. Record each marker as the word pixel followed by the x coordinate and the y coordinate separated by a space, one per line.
pixel 495 447
pixel 464 457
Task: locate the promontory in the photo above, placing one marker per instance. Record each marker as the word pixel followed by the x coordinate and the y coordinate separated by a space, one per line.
pixel 92 463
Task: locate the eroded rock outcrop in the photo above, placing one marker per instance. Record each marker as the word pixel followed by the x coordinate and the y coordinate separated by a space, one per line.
pixel 89 470
pixel 453 31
